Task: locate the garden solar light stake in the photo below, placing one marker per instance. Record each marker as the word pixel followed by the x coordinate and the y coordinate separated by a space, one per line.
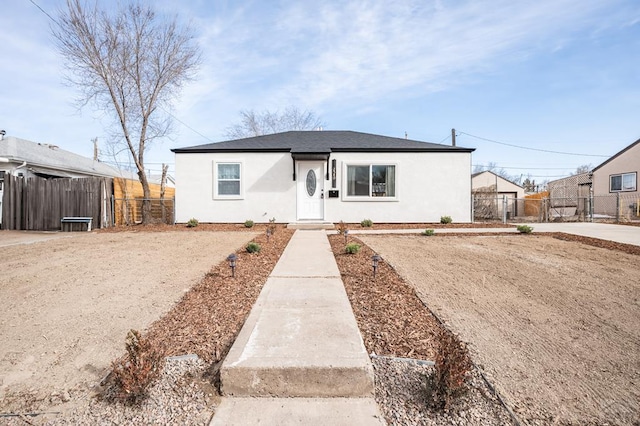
pixel 346 235
pixel 375 258
pixel 268 234
pixel 232 263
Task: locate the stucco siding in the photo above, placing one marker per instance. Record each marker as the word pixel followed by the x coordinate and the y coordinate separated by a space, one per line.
pixel 267 184
pixel 428 185
pixel 627 162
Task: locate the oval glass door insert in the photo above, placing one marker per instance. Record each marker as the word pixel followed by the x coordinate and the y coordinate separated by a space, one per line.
pixel 311 183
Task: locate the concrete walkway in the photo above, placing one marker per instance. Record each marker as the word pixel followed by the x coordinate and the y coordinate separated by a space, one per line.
pixel 299 358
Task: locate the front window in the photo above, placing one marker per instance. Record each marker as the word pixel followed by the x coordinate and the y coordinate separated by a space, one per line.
pixel 228 180
pixel 374 180
pixel 622 182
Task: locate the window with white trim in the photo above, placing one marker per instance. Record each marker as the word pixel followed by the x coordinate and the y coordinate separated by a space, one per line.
pixel 371 180
pixel 227 180
pixel 623 182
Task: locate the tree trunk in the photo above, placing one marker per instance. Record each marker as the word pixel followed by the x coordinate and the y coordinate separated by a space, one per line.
pixel 147 218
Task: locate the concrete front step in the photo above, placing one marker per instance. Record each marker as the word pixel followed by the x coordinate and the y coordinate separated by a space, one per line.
pixel 311 225
pixel 297 411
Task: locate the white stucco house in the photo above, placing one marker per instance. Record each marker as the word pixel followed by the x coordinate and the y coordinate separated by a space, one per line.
pixel 323 176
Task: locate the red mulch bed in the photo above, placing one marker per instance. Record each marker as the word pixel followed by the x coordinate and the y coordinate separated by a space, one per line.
pixel 208 318
pixel 392 319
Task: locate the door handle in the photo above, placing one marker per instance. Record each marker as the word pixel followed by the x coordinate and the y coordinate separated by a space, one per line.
pixel 322 193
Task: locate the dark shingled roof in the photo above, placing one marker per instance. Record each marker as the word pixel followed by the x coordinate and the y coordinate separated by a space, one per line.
pixel 324 141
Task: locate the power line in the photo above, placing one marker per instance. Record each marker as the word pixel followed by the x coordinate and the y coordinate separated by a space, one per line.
pixel 445 138
pixel 43 11
pixel 524 168
pixel 187 126
pixel 533 149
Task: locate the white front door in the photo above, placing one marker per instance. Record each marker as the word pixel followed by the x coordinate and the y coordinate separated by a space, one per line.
pixel 310 180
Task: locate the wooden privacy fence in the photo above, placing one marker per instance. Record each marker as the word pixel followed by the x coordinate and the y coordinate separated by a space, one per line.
pixel 37 204
pixel 128 198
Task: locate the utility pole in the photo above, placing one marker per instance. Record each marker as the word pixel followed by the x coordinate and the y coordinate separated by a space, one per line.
pixel 95 149
pixel 453 137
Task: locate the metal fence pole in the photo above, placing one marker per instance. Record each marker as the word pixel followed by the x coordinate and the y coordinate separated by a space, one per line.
pixel 617 207
pixel 504 209
pixel 473 208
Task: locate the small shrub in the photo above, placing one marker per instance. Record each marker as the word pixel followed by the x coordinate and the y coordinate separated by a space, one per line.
pixel 352 248
pixel 341 228
pixel 133 373
pixel 192 223
pixel 272 225
pixel 452 368
pixel 248 224
pixel 428 232
pixel 253 247
pixel 525 229
pixel 366 223
pixel 445 219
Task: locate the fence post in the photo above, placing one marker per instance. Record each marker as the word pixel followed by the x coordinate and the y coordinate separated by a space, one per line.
pixel 617 207
pixel 591 205
pixel 504 209
pixel 473 208
pixel 174 210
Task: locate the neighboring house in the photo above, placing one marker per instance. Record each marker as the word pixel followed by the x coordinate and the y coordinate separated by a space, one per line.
pixel 612 184
pixel 618 176
pixel 21 157
pixel 492 189
pixel 323 176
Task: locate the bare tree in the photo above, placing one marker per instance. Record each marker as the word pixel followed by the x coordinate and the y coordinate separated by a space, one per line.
pixel 131 64
pixel 582 169
pixel 267 122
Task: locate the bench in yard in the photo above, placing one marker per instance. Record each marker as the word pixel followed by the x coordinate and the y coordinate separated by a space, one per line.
pixel 70 223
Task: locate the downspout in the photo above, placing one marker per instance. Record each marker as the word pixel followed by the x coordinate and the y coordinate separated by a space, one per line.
pixel 24 164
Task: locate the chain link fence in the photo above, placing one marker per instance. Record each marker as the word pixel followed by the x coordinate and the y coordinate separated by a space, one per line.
pixel 617 207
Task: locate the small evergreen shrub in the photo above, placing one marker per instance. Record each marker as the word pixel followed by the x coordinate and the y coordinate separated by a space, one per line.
pixel 428 232
pixel 366 223
pixel 445 219
pixel 253 247
pixel 272 225
pixel 248 224
pixel 352 248
pixel 524 229
pixel 192 223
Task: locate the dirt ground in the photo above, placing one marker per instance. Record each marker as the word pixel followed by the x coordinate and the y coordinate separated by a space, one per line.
pixel 69 302
pixel 554 324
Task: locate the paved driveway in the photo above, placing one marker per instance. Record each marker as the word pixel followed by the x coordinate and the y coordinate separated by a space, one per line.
pixel 605 231
pixel 11 238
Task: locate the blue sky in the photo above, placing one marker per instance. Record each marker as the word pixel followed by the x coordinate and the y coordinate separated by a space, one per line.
pixel 553 75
